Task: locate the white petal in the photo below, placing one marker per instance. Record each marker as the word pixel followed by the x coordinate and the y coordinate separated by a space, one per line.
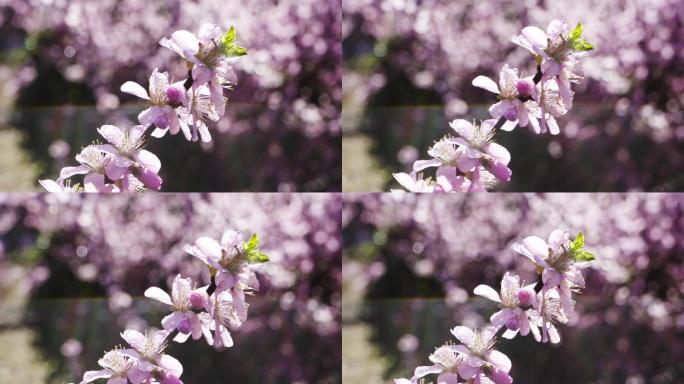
pixel 134 338
pixel 536 246
pixel 172 365
pixel 186 41
pixel 209 247
pixel 485 82
pixel 135 89
pixel 112 134
pixel 499 153
pixel 149 160
pixel 464 334
pixel 535 36
pixel 158 294
pixel 487 292
pixel 500 360
pixel 463 128
pixel 419 165
pixel 91 376
pixel 423 371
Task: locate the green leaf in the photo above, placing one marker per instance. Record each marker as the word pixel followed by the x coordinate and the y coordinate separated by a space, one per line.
pixel 229 38
pixel 231 49
pixel 583 255
pixel 581 45
pixel 579 242
pixel 576 33
pixel 252 244
pixel 252 253
pixel 257 257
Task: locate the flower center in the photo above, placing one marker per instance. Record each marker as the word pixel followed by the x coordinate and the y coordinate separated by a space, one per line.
pixel 232 259
pixel 445 152
pixel 210 54
pixel 116 362
pixel 482 344
pixel 560 260
pixel 558 49
pixel 447 358
pixel 152 349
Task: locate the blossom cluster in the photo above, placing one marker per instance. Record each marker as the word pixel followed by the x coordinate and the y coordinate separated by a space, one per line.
pixel 104 242
pixel 122 164
pixel 287 104
pixel 471 161
pixel 211 312
pixel 534 308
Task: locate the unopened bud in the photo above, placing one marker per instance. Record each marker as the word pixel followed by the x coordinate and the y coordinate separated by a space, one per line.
pixel 512 324
pixel 171 379
pixel 499 377
pixel 511 114
pixel 174 95
pixel 524 297
pixel 184 327
pixel 524 87
pixel 197 300
pixel 161 121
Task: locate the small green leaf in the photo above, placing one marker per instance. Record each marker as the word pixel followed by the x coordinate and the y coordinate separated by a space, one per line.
pixel 583 255
pixel 576 33
pixel 579 242
pixel 229 38
pixel 231 49
pixel 257 257
pixel 252 244
pixel 252 253
pixel 581 45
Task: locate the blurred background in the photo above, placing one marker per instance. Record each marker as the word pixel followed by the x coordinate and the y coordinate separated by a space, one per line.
pixel 410 264
pixel 73 270
pixel 62 63
pixel 408 67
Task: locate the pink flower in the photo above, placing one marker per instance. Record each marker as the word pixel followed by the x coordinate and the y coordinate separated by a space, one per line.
pixel 229 260
pixel 414 183
pixel 126 150
pixel 548 311
pixel 58 186
pixel 221 316
pixel 118 369
pixel 198 107
pixel 559 267
pixel 513 314
pixel 477 141
pixel 162 98
pixel 447 362
pixel 551 106
pixel 478 351
pixel 95 164
pixel 557 48
pixel 148 350
pixel 516 111
pixel 183 317
pixel 208 53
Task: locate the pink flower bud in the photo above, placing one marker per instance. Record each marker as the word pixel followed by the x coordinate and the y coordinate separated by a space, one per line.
pixel 524 87
pixel 511 114
pixel 197 300
pixel 174 95
pixel 184 327
pixel 499 377
pixel 524 297
pixel 500 171
pixel 171 379
pixel 161 121
pixel 512 324
pixel 150 179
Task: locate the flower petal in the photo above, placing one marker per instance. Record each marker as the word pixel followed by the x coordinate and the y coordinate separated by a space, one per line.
pixel 135 89
pixel 487 292
pixel 158 294
pixel 485 82
pixel 464 334
pixel 170 364
pixel 500 360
